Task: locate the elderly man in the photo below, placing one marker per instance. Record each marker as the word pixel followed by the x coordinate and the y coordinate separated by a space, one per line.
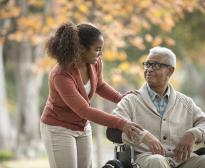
pixel 172 122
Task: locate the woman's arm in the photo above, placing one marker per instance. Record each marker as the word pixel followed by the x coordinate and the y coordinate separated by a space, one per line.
pixel 73 99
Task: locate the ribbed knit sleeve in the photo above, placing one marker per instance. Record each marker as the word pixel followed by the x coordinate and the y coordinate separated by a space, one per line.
pixel 68 92
pixel 198 129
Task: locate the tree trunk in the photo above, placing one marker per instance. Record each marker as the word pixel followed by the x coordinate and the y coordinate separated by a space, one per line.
pixel 5 132
pixel 28 83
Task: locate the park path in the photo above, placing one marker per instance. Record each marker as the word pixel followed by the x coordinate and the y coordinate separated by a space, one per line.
pixel 107 153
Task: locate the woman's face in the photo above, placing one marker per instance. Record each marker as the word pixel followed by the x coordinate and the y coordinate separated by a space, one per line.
pixel 92 54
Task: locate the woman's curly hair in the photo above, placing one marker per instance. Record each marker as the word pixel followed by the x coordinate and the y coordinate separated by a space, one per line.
pixel 64 46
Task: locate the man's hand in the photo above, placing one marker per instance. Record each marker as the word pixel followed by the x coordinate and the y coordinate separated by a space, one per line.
pixel 154 144
pixel 131 129
pixel 184 147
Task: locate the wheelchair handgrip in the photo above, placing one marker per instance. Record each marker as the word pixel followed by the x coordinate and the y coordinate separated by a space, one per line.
pixel 114 135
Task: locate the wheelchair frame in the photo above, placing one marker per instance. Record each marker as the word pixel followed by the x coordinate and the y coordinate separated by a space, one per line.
pixel 125 153
pixel 122 152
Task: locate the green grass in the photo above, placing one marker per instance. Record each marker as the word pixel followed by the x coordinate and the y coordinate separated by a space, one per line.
pixel 5 155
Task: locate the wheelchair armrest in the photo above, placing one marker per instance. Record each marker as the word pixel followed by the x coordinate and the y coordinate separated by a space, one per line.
pixel 114 135
pixel 200 151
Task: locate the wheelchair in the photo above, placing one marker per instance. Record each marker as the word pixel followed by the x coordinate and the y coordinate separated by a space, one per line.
pixel 124 154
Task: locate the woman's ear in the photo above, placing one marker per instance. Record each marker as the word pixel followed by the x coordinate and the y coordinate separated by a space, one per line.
pixel 82 49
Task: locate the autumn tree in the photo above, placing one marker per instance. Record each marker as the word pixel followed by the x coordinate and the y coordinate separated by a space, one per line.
pixel 130 29
pixel 4 116
pixel 25 29
pixel 190 48
pixel 5 133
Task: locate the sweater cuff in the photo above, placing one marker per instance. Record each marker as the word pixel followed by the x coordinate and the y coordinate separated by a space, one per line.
pixel 198 134
pixel 136 141
pixel 122 123
pixel 141 136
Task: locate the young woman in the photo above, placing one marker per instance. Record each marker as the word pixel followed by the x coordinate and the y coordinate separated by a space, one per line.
pixel 65 127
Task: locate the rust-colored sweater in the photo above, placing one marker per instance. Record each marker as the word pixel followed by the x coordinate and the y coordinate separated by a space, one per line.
pixel 68 105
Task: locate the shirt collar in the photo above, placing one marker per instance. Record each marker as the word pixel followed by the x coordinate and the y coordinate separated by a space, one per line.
pixel 153 94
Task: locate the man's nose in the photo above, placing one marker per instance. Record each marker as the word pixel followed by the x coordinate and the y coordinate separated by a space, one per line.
pixel 150 68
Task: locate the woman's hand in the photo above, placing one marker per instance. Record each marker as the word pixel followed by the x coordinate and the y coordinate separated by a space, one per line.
pixel 131 91
pixel 131 129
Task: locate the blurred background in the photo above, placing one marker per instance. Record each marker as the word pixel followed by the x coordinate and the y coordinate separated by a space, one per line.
pixel 130 28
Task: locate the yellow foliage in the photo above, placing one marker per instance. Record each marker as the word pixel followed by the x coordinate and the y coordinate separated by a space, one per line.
pixel 83 8
pixel 145 24
pixel 179 64
pixel 9 11
pixel 138 42
pixel 117 79
pixel 128 8
pixel 17 36
pixel 114 34
pixel 118 19
pixel 136 69
pixel 148 38
pixel 175 82
pixel 38 3
pixel 108 18
pixel 169 41
pixel 45 64
pixel 36 39
pixel 122 56
pixel 126 69
pixel 189 5
pixel 78 16
pixel 145 3
pixel 157 41
pixel 168 23
pixel 142 59
pixel 136 25
pixel 131 68
pixel 33 22
pixel 154 14
pixel 198 57
pixel 124 66
pixel 111 55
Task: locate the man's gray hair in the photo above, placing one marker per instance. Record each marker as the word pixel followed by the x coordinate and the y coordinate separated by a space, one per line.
pixel 171 57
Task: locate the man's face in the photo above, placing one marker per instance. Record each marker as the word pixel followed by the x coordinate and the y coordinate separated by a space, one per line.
pixel 156 71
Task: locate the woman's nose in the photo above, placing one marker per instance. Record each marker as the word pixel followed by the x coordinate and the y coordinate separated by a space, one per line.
pixel 99 53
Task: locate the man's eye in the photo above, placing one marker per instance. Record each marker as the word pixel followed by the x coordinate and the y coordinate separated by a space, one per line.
pixel 152 64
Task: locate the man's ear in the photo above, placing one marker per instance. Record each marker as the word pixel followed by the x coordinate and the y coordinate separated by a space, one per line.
pixel 171 71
